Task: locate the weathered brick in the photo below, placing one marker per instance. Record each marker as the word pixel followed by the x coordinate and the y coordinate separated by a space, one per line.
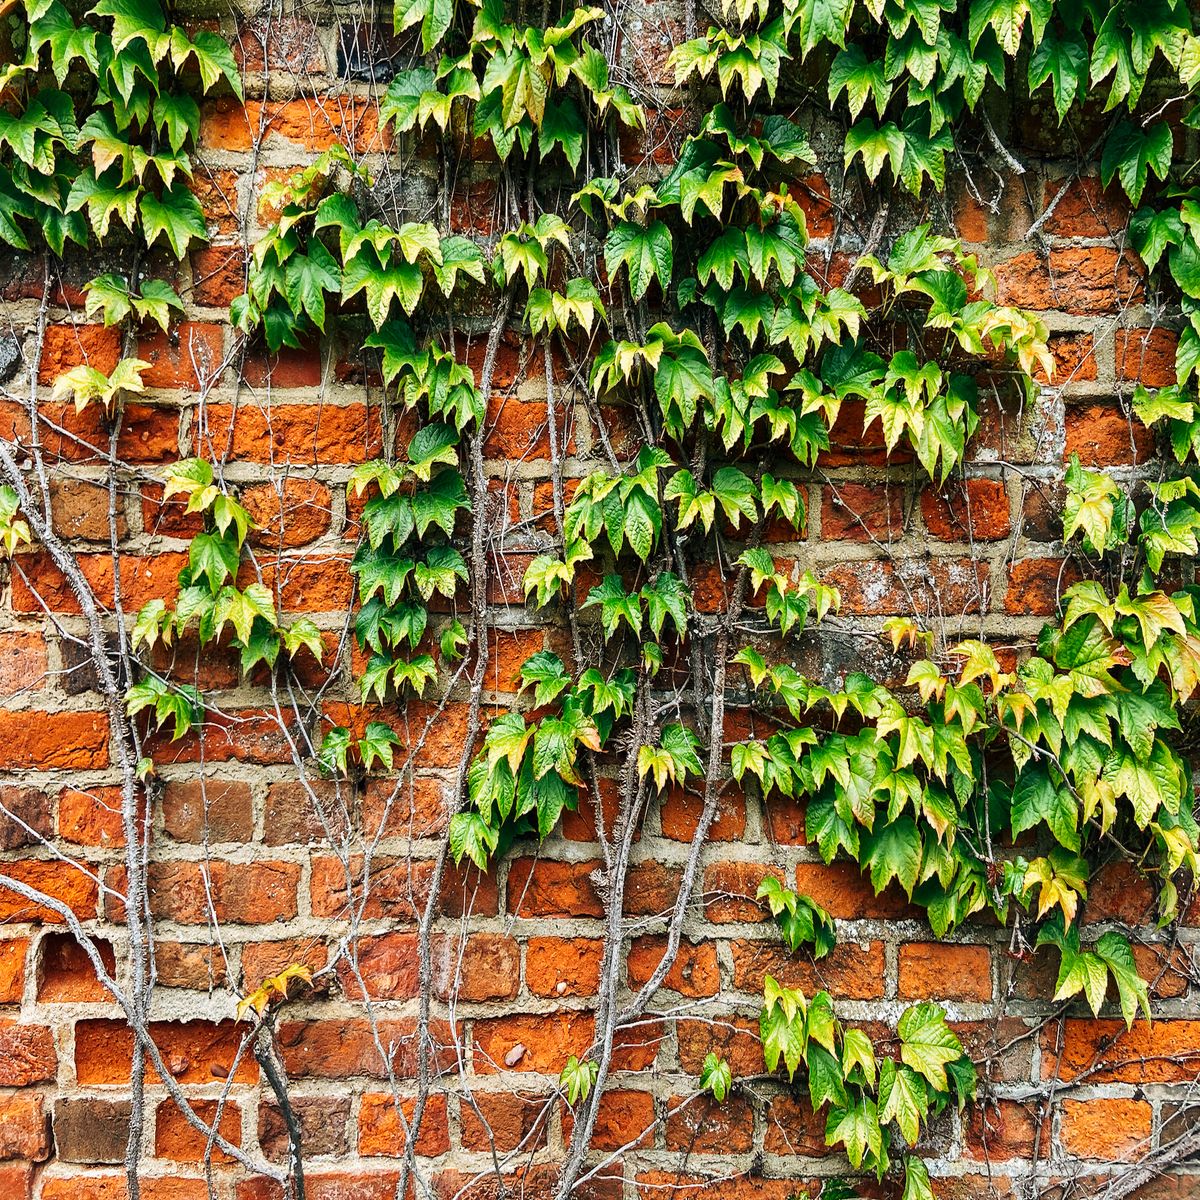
pixel 242 893
pixel 44 741
pixel 324 1123
pixel 855 512
pixel 68 886
pixel 932 971
pixel 1103 436
pixel 693 973
pixel 380 1131
pixel 195 1052
pixel 563 966
pixel 1088 280
pixel 66 974
pixel 850 970
pixel 24 1132
pixel 1106 1128
pixel 502 1120
pixel 175 1138
pixel 67 346
pixel 729 890
pixel 188 355
pixel 524 1042
pixel 973 510
pixel 545 888
pixel 91 817
pixel 27 1054
pixel 291 513
pixel 89 1130
pixel 705 1127
pixel 1146 356
pixel 212 810
pixel 13 952
pixel 294 433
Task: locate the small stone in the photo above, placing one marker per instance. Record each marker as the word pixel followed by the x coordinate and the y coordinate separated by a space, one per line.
pixel 10 357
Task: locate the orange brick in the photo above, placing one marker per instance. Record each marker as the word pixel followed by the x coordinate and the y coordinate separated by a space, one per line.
pixel 942 971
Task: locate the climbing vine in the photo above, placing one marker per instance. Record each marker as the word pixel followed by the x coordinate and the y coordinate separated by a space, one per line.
pixel 684 305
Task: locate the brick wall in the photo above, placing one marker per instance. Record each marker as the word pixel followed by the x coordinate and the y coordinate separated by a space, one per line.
pixel 236 837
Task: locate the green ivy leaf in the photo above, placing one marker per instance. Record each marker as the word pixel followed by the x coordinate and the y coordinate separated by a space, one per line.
pixel 177 215
pixel 1131 153
pixel 645 252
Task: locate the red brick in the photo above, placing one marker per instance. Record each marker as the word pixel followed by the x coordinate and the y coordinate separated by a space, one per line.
pixel 177 1140
pixel 1103 436
pixel 53 879
pixel 855 512
pixel 24 1131
pixel 346 1048
pixel 502 1120
pixel 91 817
pixel 1119 892
pixel 735 1039
pixel 380 1131
pixel 844 892
pixel 705 1127
pixel 884 588
pixel 850 970
pixel 27 1054
pixel 219 275
pixel 213 810
pixel 112 1187
pixel 66 972
pixel 519 430
pixel 143 578
pixel 1088 281
pixel 294 433
pixel 44 741
pixel 22 662
pixel 1107 1129
pixel 1167 1052
pixel 67 346
pixel 262 960
pixel 563 966
pixel 16 1181
pixel 974 509
pixel 729 889
pixel 693 973
pixel 1035 585
pixel 188 355
pixel 387 965
pixel 291 45
pixel 1146 356
pixel 1074 357
pixel 930 971
pixel 195 1052
pixel 241 893
pixel 291 513
pixel 419 807
pixel 217 190
pixel 1002 1129
pixel 200 968
pixel 486 967
pixel 794 1129
pixel 625 1117
pixel 679 816
pixel 1086 209
pixel 343 1185
pixel 525 1042
pixel 545 888
pixel 12 969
